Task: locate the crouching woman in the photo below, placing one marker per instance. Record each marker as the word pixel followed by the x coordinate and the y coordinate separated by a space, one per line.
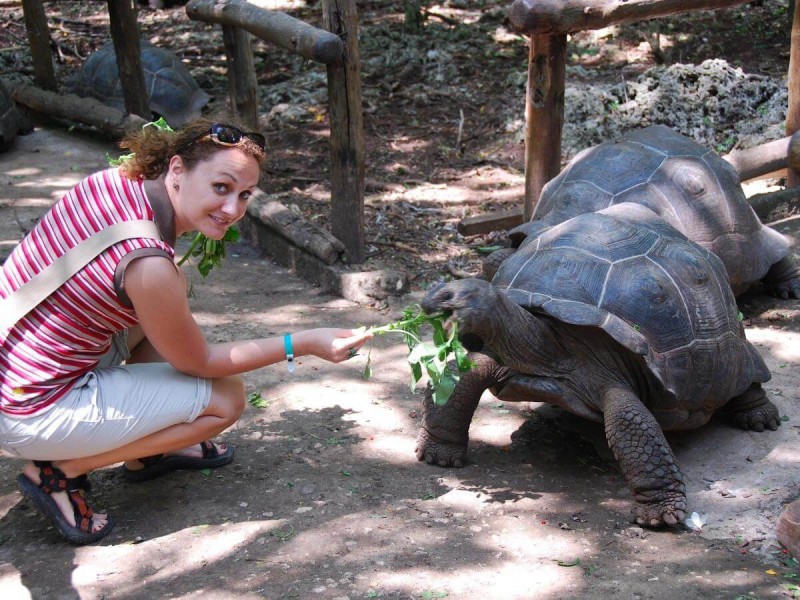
pixel 111 366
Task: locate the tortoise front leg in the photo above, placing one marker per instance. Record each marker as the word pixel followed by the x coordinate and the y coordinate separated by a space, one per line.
pixel 444 432
pixel 645 458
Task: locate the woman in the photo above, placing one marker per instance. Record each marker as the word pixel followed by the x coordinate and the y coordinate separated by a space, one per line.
pixel 66 404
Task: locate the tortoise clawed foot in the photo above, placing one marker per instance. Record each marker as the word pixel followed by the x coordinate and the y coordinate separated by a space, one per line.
pixel 436 452
pixel 668 511
pixel 759 418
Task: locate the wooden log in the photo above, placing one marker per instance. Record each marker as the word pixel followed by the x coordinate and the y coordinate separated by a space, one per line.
pixel 109 121
pixel 127 50
pixel 275 27
pixel 242 84
pixel 39 39
pixel 303 234
pixel 760 160
pixel 496 221
pixel 793 111
pixel 549 17
pixel 775 206
pixel 347 131
pixel 544 108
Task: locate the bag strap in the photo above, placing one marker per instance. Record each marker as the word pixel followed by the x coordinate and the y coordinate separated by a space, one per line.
pixel 53 276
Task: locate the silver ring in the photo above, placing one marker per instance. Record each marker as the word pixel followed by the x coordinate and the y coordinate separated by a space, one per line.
pixel 351 352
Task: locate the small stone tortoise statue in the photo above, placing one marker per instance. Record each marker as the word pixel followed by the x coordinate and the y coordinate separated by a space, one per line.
pixel 171 90
pixel 616 316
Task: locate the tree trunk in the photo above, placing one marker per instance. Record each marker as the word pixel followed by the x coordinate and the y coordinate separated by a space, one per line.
pixel 39 38
pixel 544 108
pixel 242 84
pixel 127 49
pixel 347 132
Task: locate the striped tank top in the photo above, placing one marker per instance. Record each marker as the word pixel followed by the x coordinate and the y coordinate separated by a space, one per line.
pixel 48 350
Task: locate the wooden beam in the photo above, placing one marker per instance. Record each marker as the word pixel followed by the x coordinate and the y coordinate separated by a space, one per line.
pixel 496 221
pixel 793 112
pixel 275 27
pixel 347 131
pixel 128 53
pixel 544 111
pixel 242 84
pixel 550 17
pixel 39 39
pixel 109 121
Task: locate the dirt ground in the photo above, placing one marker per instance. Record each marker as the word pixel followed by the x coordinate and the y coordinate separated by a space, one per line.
pixel 326 498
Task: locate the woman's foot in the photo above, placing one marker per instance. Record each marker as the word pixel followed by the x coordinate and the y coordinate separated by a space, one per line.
pixel 205 455
pixel 62 500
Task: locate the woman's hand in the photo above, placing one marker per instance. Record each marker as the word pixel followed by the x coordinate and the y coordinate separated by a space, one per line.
pixel 334 345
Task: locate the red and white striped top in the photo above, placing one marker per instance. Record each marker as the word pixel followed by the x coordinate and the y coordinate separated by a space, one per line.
pixel 64 337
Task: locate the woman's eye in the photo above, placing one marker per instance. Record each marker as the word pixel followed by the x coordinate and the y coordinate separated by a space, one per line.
pixel 245 195
pixel 220 188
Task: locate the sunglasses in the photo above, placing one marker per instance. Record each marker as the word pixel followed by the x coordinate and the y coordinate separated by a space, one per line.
pixel 228 135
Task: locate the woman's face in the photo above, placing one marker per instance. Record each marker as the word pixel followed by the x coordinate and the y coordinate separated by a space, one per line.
pixel 214 194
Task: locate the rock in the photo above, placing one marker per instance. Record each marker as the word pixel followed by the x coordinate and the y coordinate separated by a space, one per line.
pixel 788 528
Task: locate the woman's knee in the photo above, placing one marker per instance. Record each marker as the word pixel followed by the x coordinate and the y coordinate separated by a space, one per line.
pixel 227 398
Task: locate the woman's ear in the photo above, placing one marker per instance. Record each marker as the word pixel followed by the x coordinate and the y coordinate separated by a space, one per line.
pixel 176 166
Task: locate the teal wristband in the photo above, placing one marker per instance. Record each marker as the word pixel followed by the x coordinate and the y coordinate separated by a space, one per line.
pixel 287 346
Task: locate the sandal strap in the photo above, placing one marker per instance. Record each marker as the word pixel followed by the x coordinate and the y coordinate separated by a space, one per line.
pixel 83 514
pixel 209 449
pixel 53 480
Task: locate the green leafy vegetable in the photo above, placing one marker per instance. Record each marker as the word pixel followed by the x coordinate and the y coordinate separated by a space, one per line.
pixel 210 252
pixel 429 358
pixel 257 400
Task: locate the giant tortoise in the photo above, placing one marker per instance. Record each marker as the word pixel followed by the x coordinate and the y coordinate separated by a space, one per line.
pixel 615 316
pixel 687 185
pixel 172 92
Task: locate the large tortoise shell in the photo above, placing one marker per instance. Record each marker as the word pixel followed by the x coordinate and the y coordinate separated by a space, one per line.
pixel 172 92
pixel 627 271
pixel 687 185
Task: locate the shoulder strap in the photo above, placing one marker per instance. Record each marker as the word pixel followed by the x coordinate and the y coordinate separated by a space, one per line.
pixel 47 281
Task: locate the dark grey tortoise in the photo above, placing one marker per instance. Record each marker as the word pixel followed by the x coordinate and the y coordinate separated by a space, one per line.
pixel 10 119
pixel 614 316
pixel 171 90
pixel 687 185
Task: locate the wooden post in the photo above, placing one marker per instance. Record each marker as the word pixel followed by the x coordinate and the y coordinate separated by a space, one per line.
pixel 793 112
pixel 39 38
pixel 127 49
pixel 347 131
pixel 544 111
pixel 242 85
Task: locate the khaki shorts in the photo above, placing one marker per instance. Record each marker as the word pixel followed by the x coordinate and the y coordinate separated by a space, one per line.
pixel 108 408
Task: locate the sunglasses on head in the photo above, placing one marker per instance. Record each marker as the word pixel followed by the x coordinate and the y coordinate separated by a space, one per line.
pixel 228 135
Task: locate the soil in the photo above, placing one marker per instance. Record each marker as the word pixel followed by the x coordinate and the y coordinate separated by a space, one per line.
pixel 326 498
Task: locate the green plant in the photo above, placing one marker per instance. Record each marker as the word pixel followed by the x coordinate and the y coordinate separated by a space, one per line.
pixel 428 357
pixel 211 252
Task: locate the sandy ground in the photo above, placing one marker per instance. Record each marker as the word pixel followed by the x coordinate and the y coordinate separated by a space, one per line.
pixel 327 500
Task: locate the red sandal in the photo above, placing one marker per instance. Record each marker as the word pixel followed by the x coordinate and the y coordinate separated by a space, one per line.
pixel 53 480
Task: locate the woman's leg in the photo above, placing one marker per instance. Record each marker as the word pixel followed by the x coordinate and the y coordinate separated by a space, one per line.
pixel 225 407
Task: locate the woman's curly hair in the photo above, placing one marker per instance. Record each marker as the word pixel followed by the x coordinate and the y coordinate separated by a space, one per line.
pixel 153 148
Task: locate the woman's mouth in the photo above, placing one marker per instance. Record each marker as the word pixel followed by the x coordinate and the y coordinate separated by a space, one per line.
pixel 220 221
